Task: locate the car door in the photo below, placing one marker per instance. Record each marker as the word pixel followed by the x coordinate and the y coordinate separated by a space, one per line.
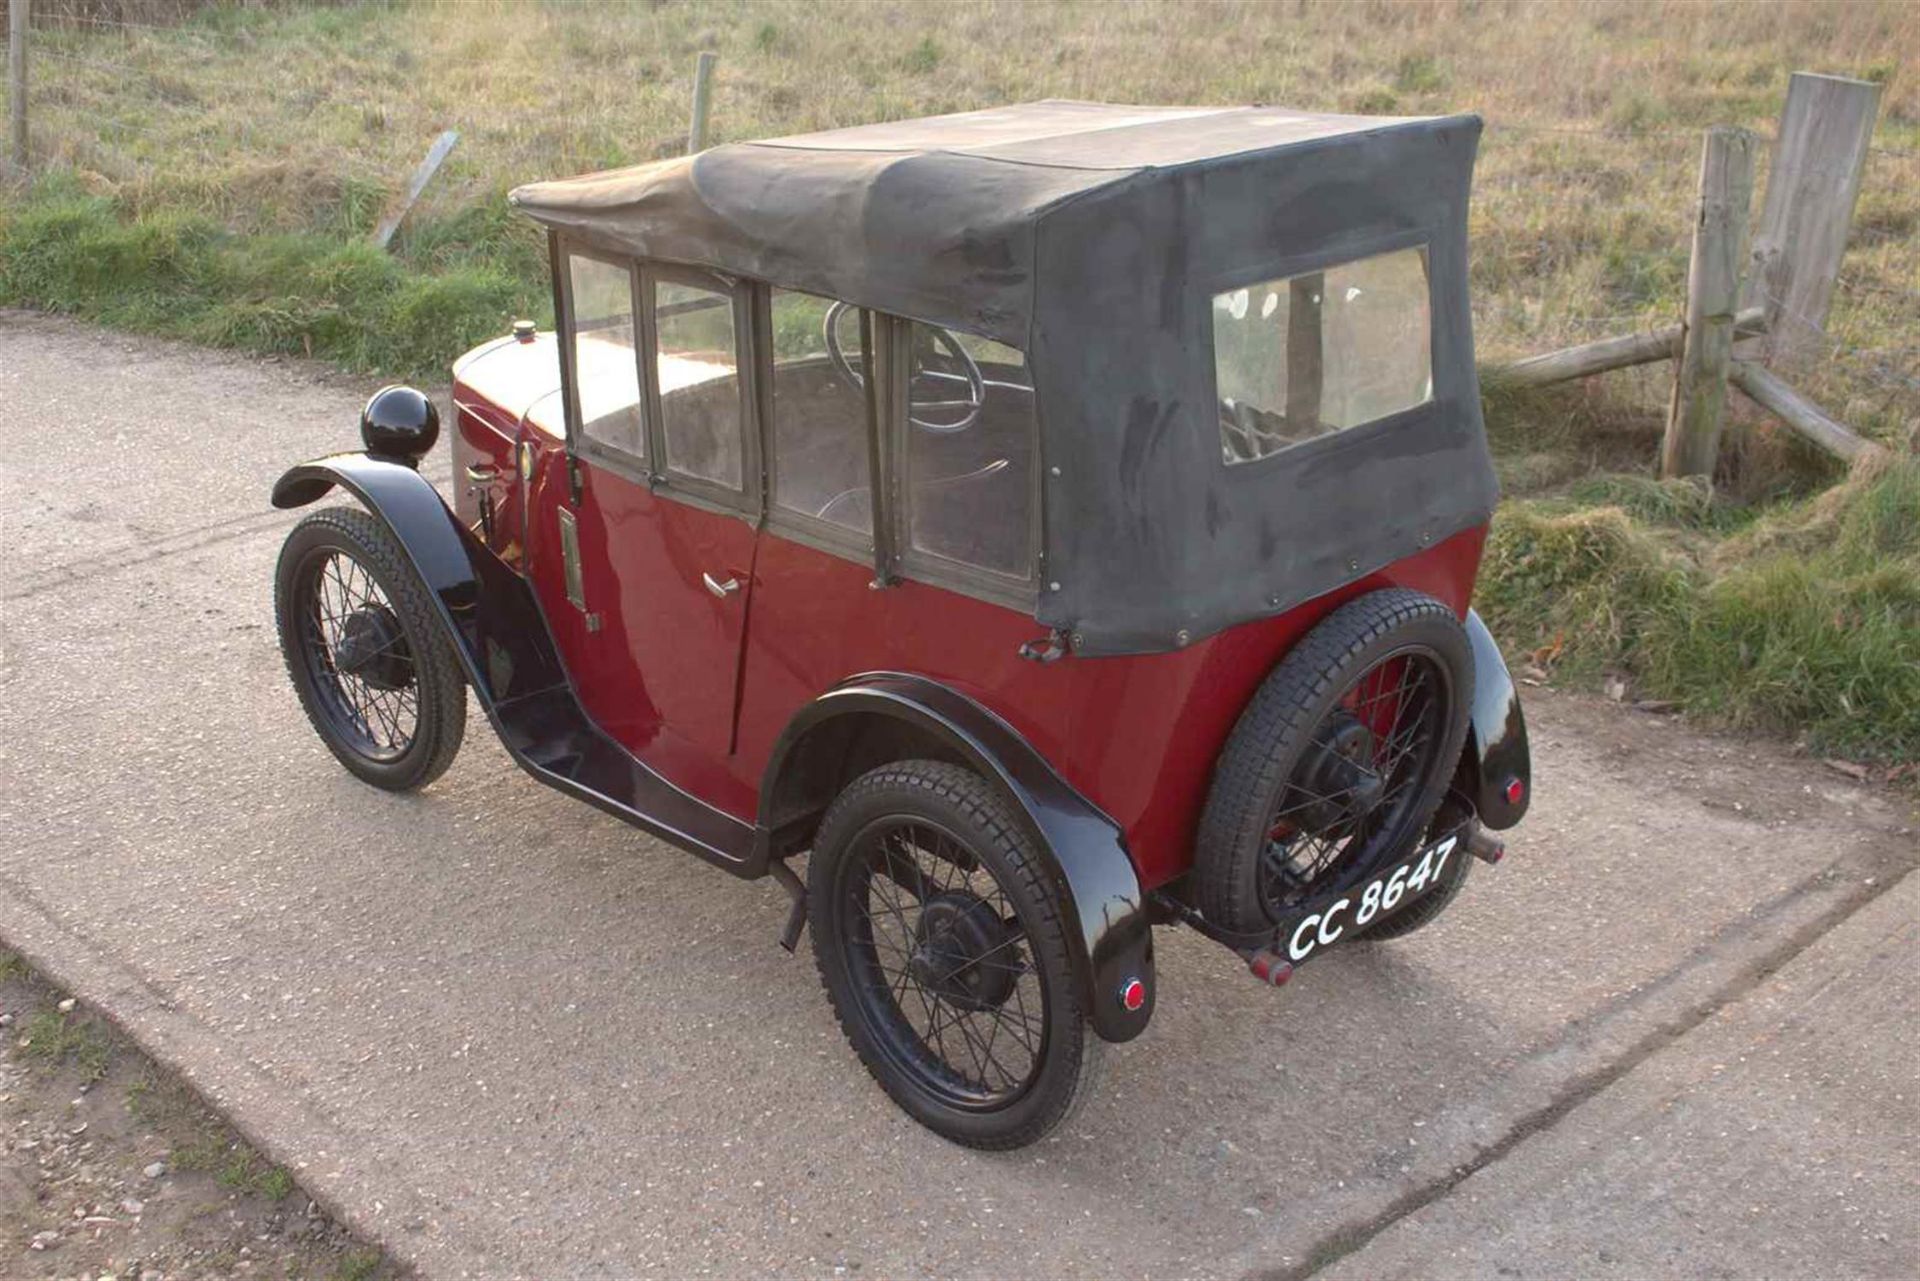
pixel 663 518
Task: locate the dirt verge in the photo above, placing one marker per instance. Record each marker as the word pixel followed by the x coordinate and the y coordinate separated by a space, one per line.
pixel 114 1169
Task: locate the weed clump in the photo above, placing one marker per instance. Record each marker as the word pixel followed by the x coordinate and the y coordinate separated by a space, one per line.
pixel 1587 585
pixel 59 1040
pixel 1807 620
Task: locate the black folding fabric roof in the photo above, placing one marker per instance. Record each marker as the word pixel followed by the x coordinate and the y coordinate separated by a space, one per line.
pixel 1093 237
pixel 932 218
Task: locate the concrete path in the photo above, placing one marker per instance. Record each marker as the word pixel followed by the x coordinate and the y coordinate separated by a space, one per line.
pixel 507 1036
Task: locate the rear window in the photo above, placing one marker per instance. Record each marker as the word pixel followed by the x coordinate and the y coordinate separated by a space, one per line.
pixel 1304 356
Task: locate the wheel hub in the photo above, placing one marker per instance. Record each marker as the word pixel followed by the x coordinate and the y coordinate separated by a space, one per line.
pixel 373 648
pixel 952 941
pixel 1336 779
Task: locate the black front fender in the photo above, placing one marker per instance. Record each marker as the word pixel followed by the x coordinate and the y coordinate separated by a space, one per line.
pixel 482 604
pixel 1496 760
pixel 499 634
pixel 1106 909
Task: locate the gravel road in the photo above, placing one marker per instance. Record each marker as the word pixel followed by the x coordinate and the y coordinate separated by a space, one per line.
pixel 503 1035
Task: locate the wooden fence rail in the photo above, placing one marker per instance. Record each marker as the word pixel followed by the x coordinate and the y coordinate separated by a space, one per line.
pixel 1785 283
pixel 1606 354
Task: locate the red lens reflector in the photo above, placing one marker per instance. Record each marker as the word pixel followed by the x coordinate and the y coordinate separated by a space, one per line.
pixel 1133 995
pixel 1516 791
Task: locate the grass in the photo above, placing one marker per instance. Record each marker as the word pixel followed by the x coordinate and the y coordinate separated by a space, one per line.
pixel 1805 619
pixel 59 1040
pixel 358 1265
pixel 233 1164
pixel 173 271
pixel 214 177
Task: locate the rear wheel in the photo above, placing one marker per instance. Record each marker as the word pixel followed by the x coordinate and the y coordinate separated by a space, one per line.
pixel 1338 762
pixel 365 651
pixel 1452 816
pixel 940 939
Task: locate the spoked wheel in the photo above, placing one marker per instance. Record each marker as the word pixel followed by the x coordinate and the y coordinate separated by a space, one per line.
pixel 365 651
pixel 940 942
pixel 1339 761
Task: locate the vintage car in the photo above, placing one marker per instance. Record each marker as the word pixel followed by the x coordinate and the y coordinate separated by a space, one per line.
pixel 1052 521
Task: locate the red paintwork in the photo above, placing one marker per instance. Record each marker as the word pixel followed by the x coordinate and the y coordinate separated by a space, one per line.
pixel 667 674
pixel 495 399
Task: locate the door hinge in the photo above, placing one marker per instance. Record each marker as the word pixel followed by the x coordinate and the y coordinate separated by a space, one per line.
pixel 1049 649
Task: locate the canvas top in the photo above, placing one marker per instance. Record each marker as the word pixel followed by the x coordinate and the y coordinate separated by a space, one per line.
pixel 932 218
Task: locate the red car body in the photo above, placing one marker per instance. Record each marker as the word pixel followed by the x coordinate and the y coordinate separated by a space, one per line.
pixel 701 688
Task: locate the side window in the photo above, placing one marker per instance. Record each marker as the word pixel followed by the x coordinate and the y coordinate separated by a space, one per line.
pixel 1321 352
pixel 606 371
pixel 821 449
pixel 970 443
pixel 698 372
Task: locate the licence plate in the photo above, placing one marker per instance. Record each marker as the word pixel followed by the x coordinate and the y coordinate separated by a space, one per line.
pixel 1319 923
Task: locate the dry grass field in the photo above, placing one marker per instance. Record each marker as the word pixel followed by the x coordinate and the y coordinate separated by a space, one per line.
pixel 211 172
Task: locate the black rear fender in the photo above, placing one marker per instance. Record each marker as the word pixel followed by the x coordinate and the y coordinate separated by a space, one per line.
pixel 874 718
pixel 1495 767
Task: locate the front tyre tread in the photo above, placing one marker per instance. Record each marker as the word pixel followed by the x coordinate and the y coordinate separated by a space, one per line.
pixel 442 689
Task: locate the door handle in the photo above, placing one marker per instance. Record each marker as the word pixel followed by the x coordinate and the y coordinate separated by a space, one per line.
pixel 480 472
pixel 719 589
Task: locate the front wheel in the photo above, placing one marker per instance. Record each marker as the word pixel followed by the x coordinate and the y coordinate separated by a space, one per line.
pixel 940 938
pixel 365 651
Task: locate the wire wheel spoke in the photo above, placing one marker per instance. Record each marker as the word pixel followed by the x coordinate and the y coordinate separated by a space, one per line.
pixel 361 664
pixel 1354 786
pixel 941 962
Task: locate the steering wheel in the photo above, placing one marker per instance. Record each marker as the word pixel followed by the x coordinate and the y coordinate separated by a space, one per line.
pixel 976 393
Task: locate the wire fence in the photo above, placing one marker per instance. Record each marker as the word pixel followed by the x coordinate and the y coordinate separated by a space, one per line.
pixel 1578 230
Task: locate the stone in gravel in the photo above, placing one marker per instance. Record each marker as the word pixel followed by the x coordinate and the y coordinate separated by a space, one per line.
pixel 132 1206
pixel 155 1170
pixel 44 1241
pixel 6 1020
pixel 66 1006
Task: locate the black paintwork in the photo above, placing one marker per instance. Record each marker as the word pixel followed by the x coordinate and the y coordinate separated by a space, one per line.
pixel 1109 914
pixel 1496 750
pixel 501 639
pixel 500 636
pixel 399 423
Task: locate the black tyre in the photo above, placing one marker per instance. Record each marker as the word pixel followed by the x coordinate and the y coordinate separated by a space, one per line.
pixel 365 651
pixel 938 932
pixel 1451 816
pixel 1338 762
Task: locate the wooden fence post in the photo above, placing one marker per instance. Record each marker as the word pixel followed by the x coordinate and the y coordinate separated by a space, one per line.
pixel 1815 180
pixel 702 99
pixel 422 175
pixel 1692 442
pixel 17 14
